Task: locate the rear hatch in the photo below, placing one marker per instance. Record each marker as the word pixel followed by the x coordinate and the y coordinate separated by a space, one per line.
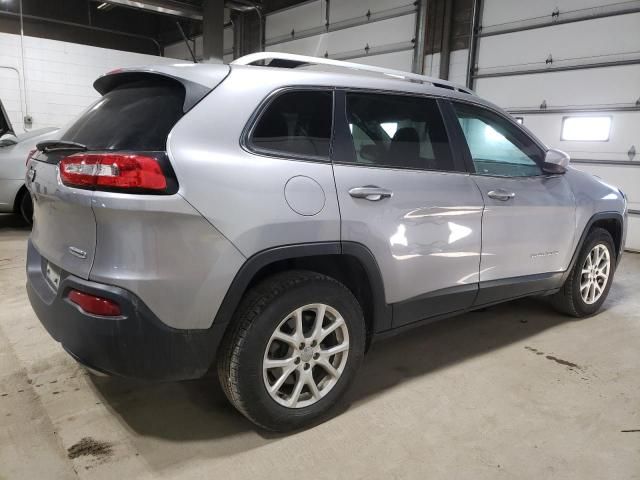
pixel 117 145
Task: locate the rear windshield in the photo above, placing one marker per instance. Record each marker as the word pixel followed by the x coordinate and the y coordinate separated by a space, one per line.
pixel 135 116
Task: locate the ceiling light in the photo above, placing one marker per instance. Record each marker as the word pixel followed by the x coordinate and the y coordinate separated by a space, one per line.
pixel 586 129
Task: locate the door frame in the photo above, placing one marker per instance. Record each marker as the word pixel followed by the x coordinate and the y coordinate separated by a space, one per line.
pixel 342 145
pixel 441 303
pixel 7 121
pixel 495 291
pixel 453 126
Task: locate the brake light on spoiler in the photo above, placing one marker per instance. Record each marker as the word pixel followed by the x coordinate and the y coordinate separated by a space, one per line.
pixel 117 171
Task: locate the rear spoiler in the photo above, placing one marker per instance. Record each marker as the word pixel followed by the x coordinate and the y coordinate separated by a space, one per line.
pixel 197 80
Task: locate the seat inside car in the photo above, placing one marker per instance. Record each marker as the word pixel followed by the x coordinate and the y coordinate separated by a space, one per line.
pixel 405 148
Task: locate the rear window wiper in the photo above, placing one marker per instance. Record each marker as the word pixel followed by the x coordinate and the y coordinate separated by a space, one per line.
pixel 55 145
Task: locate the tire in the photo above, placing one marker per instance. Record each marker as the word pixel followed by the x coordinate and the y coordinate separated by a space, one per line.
pixel 570 300
pixel 25 207
pixel 249 344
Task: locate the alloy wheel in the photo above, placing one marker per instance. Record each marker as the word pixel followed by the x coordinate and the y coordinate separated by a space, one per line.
pixel 306 355
pixel 595 274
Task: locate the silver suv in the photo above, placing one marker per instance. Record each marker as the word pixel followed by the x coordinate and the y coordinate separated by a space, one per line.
pixel 274 216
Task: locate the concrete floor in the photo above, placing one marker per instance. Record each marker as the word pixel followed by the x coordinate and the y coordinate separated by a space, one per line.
pixel 516 391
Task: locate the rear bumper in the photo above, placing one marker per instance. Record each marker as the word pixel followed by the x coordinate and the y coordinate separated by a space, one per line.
pixel 136 344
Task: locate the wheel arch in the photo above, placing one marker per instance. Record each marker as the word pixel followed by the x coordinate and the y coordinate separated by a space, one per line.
pixel 16 201
pixel 613 222
pixel 613 225
pixel 351 263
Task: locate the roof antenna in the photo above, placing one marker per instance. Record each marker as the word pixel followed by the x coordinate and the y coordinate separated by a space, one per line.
pixel 186 41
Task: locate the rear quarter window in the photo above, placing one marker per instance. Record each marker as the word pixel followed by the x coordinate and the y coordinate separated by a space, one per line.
pixel 295 124
pixel 134 116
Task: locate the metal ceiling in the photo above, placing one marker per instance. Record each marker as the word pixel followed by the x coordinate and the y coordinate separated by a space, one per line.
pixel 191 10
pixel 144 26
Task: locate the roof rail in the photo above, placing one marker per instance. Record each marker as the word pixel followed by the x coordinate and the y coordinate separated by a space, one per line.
pixel 291 60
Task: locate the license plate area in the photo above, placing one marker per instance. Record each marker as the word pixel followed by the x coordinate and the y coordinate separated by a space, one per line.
pixel 53 275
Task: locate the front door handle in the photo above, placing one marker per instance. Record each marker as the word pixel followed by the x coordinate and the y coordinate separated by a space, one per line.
pixel 371 193
pixel 500 194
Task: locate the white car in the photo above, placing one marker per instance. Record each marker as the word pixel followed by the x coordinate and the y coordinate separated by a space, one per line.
pixel 14 149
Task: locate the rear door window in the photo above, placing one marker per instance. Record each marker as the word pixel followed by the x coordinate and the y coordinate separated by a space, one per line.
pixel 134 116
pixel 398 131
pixel 295 124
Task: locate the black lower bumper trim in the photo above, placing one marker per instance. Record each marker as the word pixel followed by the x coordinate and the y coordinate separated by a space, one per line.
pixel 136 344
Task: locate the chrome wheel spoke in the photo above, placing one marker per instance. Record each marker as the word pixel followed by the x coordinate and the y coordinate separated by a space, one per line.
pixel 299 332
pixel 297 390
pixel 334 350
pixel 283 378
pixel 286 338
pixel 278 362
pixel 317 325
pixel 338 322
pixel 330 369
pixel 313 387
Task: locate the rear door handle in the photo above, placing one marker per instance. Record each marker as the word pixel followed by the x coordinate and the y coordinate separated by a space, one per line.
pixel 500 194
pixel 371 193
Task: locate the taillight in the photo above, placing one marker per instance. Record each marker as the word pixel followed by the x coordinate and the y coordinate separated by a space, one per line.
pixel 30 156
pixel 112 170
pixel 95 305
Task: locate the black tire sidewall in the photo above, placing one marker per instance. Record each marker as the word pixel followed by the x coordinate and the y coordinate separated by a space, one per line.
pixel 25 207
pixel 597 237
pixel 251 385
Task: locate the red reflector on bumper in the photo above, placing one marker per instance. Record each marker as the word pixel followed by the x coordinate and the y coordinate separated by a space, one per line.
pixel 95 305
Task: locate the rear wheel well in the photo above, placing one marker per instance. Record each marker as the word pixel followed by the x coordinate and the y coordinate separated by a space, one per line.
pixel 16 202
pixel 347 269
pixel 614 227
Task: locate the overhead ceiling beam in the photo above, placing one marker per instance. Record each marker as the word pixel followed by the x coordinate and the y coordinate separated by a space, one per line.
pixel 179 9
pixel 160 6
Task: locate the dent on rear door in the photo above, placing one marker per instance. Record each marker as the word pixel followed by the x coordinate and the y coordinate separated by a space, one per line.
pixel 425 238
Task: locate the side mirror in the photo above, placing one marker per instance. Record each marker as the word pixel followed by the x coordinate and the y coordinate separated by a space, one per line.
pixel 555 161
pixel 7 140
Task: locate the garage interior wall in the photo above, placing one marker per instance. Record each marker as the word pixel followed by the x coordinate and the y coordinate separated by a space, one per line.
pixel 550 59
pixel 180 51
pixel 59 78
pixel 543 61
pixel 375 32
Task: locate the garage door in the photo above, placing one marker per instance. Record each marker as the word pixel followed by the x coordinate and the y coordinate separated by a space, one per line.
pixel 374 32
pixel 570 69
